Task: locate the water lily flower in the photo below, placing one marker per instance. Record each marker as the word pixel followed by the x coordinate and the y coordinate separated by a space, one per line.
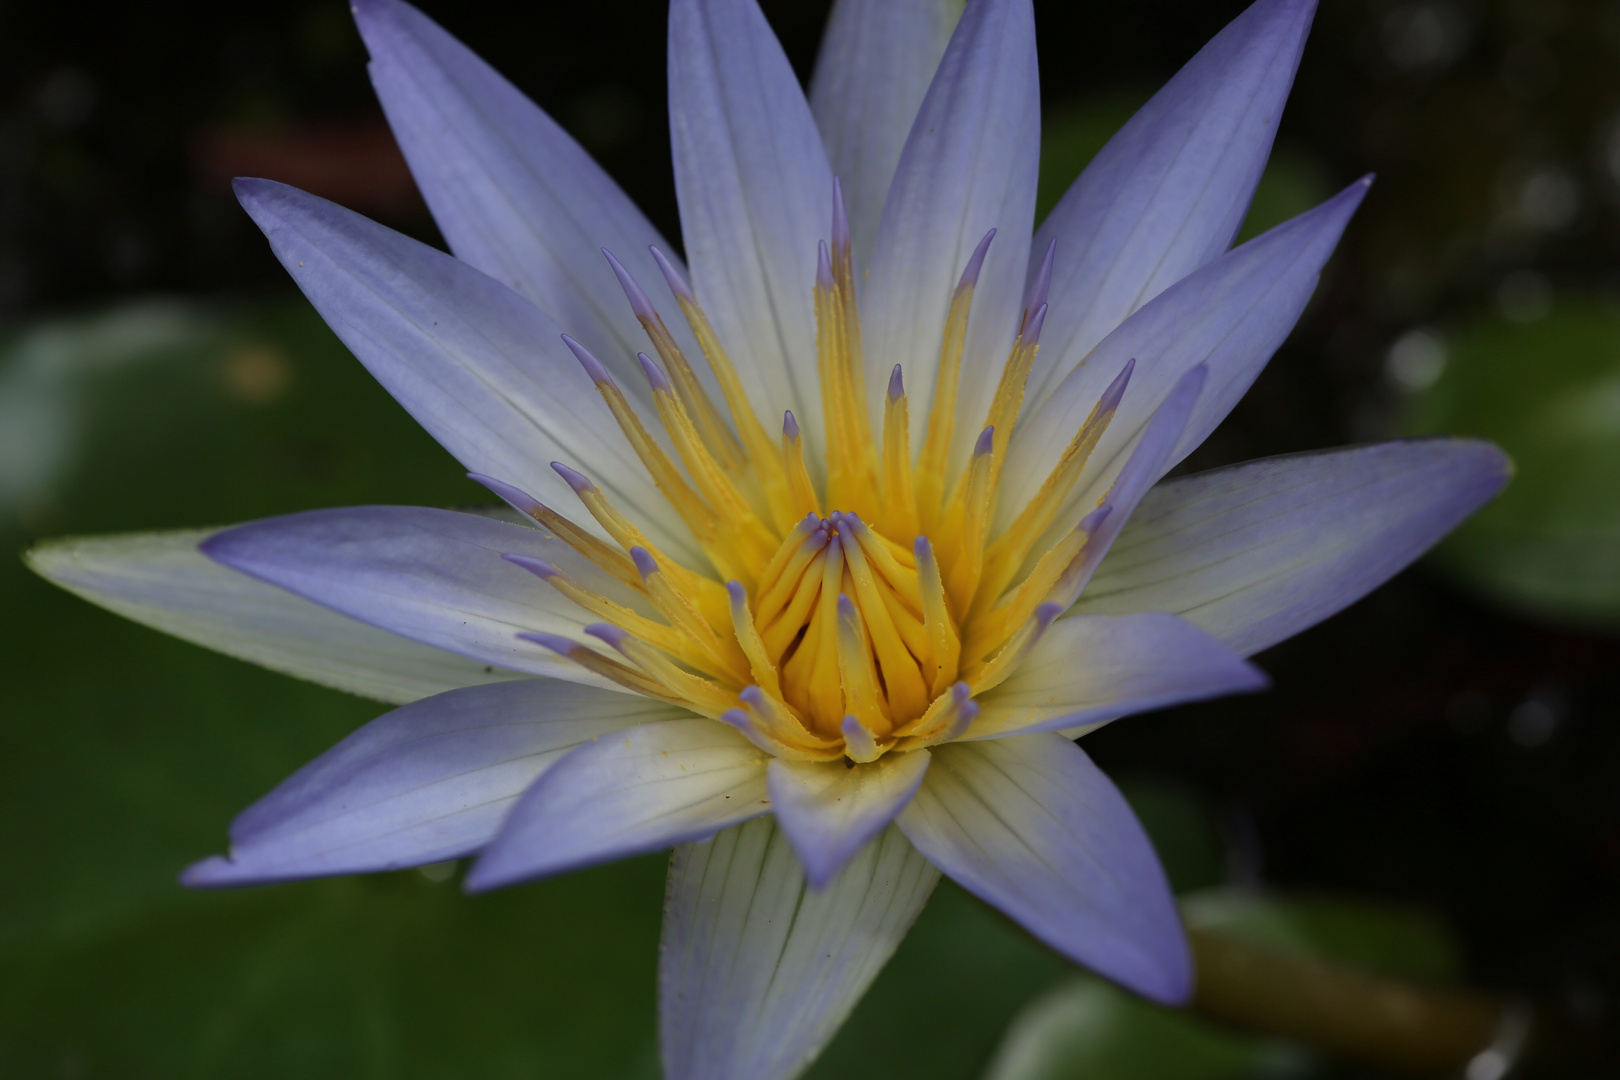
pixel 834 536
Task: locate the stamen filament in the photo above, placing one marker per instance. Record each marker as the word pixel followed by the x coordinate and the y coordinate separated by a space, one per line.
pixel 801 493
pixel 716 436
pixel 934 459
pixel 1009 550
pixel 700 694
pixel 760 449
pixel 993 672
pixel 899 509
pixel 753 646
pixel 937 617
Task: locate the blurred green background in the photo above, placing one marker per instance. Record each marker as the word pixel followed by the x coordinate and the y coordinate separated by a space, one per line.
pixel 1430 789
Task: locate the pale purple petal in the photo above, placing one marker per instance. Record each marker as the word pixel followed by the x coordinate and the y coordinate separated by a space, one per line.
pixel 755 194
pixel 428 782
pixel 161 580
pixel 830 810
pixel 969 166
pixel 1257 552
pixel 1229 316
pixel 1030 825
pixel 640 790
pixel 876 61
pixel 1169 191
pixel 756 970
pixel 434 576
pixel 481 368
pixel 512 192
pixel 1092 668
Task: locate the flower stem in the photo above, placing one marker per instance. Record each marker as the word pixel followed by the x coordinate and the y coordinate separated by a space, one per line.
pixel 1354 1014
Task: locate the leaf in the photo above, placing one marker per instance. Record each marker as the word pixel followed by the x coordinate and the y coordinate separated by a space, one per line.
pixel 1548 392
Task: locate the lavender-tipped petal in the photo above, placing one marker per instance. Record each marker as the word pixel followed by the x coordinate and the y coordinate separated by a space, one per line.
pixel 897 384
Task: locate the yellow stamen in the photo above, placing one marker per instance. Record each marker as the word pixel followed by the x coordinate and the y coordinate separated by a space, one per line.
pixel 1009 550
pixel 933 462
pixel 937 617
pixel 748 534
pixel 753 646
pixel 801 493
pixel 899 510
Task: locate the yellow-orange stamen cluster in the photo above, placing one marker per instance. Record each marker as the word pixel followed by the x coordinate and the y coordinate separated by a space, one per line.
pixel 854 618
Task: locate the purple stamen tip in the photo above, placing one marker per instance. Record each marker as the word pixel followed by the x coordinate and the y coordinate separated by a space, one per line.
pixel 1032 328
pixel 968 711
pixel 738 594
pixel 538 567
pixel 897 384
pixel 810 522
pixel 1045 613
pixel 840 219
pixel 1116 389
pixel 646 565
pixel 737 719
pixel 921 548
pixel 824 277
pixel 593 367
pixel 986 443
pixel 519 498
pixel 1042 285
pixel 578 481
pixel 790 426
pixel 672 277
pixel 961 692
pixel 654 376
pixel 975 263
pixel 846 606
pixel 613 635
pixel 555 642
pixel 639 303
pixel 752 695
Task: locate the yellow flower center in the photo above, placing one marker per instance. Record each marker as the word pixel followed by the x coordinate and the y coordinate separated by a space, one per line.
pixel 844 620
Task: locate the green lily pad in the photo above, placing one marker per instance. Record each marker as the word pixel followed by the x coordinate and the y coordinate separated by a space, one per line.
pixel 1548 392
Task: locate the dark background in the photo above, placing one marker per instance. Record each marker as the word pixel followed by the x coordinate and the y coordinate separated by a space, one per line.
pixel 1427 746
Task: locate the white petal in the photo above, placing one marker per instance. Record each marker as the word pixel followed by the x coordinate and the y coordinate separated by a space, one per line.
pixel 1257 552
pixel 161 580
pixel 421 784
pixel 1030 825
pixel 645 788
pixel 968 166
pixel 755 194
pixel 478 366
pixel 1169 191
pixel 830 810
pixel 1085 670
pixel 757 971
pixel 512 192
pixel 876 61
